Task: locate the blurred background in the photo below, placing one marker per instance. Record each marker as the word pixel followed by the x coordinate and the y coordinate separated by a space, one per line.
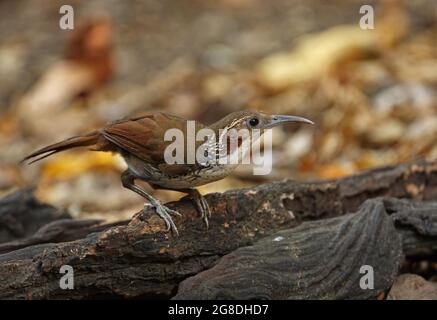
pixel 372 93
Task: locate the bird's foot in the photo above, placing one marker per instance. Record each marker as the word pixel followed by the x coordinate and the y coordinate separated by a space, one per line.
pixel 165 213
pixel 202 206
pixel 205 211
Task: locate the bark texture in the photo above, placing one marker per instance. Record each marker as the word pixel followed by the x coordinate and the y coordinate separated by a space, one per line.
pixel 278 240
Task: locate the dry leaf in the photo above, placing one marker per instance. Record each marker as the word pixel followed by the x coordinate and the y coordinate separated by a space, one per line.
pixel 317 53
pixel 87 65
pixel 72 164
pixel 314 55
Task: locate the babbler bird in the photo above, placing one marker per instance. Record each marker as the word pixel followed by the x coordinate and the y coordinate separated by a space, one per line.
pixel 140 141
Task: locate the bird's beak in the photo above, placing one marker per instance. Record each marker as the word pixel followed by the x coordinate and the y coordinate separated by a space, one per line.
pixel 279 119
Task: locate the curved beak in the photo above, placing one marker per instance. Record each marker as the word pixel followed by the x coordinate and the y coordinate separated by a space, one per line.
pixel 280 119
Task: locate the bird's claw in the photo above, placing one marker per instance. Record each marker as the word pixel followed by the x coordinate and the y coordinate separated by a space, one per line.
pixel 203 208
pixel 206 213
pixel 165 214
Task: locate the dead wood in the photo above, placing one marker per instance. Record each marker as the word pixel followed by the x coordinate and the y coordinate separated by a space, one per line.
pixel 138 259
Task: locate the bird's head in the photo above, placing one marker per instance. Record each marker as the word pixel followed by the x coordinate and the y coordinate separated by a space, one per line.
pixel 250 120
pixel 234 129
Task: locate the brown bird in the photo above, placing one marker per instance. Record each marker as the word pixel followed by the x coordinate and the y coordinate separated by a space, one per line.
pixel 142 142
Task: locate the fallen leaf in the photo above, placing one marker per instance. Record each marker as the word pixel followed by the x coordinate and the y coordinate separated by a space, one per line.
pixel 87 64
pixel 314 55
pixel 72 164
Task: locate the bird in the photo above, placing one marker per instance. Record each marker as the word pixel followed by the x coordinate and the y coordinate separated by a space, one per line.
pixel 142 143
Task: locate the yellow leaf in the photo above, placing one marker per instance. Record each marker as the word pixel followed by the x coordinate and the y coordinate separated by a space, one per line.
pixel 72 164
pixel 335 171
pixel 313 55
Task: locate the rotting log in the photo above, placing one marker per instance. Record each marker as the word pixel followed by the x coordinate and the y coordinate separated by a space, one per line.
pixel 60 230
pixel 21 215
pixel 323 259
pixel 139 259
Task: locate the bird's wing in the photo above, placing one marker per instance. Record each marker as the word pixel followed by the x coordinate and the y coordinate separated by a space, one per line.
pixel 143 137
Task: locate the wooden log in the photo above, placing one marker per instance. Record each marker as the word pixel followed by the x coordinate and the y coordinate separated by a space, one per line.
pixel 21 215
pixel 61 230
pixel 140 259
pixel 324 259
pixel 317 260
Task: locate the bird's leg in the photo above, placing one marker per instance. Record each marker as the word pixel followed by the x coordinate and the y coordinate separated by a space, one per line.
pixel 201 204
pixel 128 181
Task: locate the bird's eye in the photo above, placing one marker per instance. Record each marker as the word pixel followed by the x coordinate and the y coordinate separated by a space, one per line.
pixel 253 122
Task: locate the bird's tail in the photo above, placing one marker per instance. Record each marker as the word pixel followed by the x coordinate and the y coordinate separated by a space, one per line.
pixel 78 141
